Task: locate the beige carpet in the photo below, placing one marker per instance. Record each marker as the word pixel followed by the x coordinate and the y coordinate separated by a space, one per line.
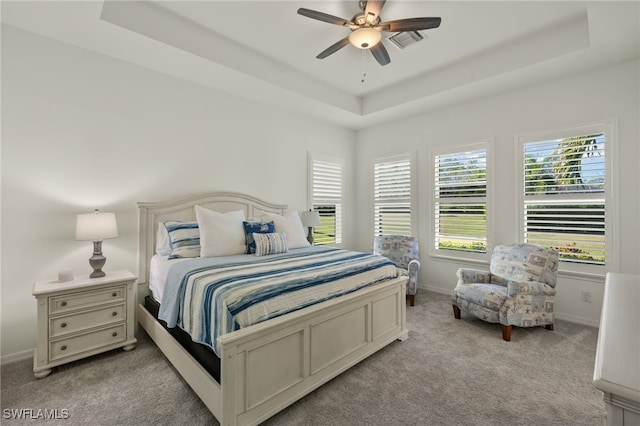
pixel 449 372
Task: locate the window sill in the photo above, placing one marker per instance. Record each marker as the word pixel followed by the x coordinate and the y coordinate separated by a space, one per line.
pixel 484 260
pixel 589 276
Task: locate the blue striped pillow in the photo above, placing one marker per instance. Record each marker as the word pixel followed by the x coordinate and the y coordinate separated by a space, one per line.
pixel 272 243
pixel 256 227
pixel 184 239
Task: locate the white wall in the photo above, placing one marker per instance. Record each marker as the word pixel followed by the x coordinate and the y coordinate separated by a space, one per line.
pixel 587 97
pixel 82 131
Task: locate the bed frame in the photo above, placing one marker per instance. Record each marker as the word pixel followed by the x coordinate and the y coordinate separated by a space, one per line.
pixel 270 365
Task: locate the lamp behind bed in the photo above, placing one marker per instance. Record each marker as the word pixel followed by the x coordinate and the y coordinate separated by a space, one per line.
pixel 310 219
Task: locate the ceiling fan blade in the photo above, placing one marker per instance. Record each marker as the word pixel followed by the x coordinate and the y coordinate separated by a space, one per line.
pixel 410 24
pixel 324 17
pixel 333 48
pixel 374 7
pixel 380 53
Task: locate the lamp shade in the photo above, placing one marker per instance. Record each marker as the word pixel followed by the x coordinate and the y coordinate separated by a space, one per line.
pixel 365 37
pixel 310 219
pixel 96 226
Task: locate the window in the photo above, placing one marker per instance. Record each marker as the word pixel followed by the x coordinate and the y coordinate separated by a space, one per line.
pixel 565 191
pixel 460 200
pixel 325 183
pixel 392 196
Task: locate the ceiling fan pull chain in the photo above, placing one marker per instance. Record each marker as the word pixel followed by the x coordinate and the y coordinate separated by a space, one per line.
pixel 364 68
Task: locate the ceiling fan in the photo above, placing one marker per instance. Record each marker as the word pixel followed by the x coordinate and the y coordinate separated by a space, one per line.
pixel 366 28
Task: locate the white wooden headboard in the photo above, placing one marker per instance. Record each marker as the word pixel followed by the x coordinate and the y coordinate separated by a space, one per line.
pixel 151 213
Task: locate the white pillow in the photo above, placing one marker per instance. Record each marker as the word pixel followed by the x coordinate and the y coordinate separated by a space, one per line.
pixel 291 225
pixel 221 234
pixel 163 244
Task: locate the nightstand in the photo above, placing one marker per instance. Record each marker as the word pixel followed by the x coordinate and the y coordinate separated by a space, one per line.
pixel 83 317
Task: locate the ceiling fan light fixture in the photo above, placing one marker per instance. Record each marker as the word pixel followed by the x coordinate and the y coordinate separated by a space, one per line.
pixel 366 29
pixel 365 37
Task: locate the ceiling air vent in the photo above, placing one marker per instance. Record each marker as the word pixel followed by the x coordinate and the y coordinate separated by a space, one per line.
pixel 405 39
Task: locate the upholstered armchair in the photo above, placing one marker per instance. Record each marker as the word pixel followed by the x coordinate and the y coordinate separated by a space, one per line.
pixel 518 289
pixel 403 250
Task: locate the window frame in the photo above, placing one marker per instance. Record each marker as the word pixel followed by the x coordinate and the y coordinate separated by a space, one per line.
pixel 411 157
pixel 609 128
pixel 488 146
pixel 312 157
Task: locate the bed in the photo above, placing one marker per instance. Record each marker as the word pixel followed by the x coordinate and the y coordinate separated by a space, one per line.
pixel 266 366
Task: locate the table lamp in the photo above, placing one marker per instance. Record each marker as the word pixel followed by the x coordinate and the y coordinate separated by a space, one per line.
pixel 310 219
pixel 96 227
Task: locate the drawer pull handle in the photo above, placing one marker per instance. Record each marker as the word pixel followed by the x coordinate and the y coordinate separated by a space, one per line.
pixel 63 304
pixel 114 334
pixel 63 325
pixel 114 294
pixel 115 314
pixel 63 347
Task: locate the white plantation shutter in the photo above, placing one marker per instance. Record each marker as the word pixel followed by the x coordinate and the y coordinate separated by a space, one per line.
pixel 326 198
pixel 460 201
pixel 564 196
pixel 392 197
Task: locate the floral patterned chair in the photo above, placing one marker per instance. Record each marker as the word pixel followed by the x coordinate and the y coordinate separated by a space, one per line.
pixel 403 250
pixel 519 288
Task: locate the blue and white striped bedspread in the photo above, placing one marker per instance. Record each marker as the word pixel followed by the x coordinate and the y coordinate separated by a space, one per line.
pixel 208 297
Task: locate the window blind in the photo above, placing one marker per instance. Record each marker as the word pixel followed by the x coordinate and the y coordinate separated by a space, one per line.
pixel 392 197
pixel 460 192
pixel 564 196
pixel 327 199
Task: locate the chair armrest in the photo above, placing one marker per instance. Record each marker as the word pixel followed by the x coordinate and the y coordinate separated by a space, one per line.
pixel 469 275
pixel 533 288
pixel 413 266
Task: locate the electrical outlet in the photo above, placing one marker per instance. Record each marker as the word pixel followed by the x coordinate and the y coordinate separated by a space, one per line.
pixel 586 296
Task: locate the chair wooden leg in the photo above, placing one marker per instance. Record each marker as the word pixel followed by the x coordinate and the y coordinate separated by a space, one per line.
pixel 506 332
pixel 412 299
pixel 456 312
pixel 549 327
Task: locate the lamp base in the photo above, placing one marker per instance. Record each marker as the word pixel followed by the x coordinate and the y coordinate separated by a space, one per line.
pixel 310 235
pixel 97 261
pixel 97 273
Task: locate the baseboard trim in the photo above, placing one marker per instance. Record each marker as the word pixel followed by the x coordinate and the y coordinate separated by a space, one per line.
pixel 565 317
pixel 576 319
pixel 18 356
pixel 435 289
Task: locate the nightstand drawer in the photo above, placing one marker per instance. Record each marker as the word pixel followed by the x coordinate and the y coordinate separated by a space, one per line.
pixel 86 299
pixel 86 342
pixel 67 324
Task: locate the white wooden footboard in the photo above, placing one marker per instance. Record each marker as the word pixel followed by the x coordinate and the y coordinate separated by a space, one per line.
pixel 270 365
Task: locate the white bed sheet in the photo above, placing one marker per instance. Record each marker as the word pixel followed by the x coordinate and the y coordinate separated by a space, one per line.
pixel 158 270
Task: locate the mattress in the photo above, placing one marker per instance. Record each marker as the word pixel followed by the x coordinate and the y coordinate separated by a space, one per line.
pixel 201 353
pixel 158 270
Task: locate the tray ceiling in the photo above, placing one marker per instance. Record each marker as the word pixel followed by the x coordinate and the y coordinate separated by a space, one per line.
pixel 265 51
